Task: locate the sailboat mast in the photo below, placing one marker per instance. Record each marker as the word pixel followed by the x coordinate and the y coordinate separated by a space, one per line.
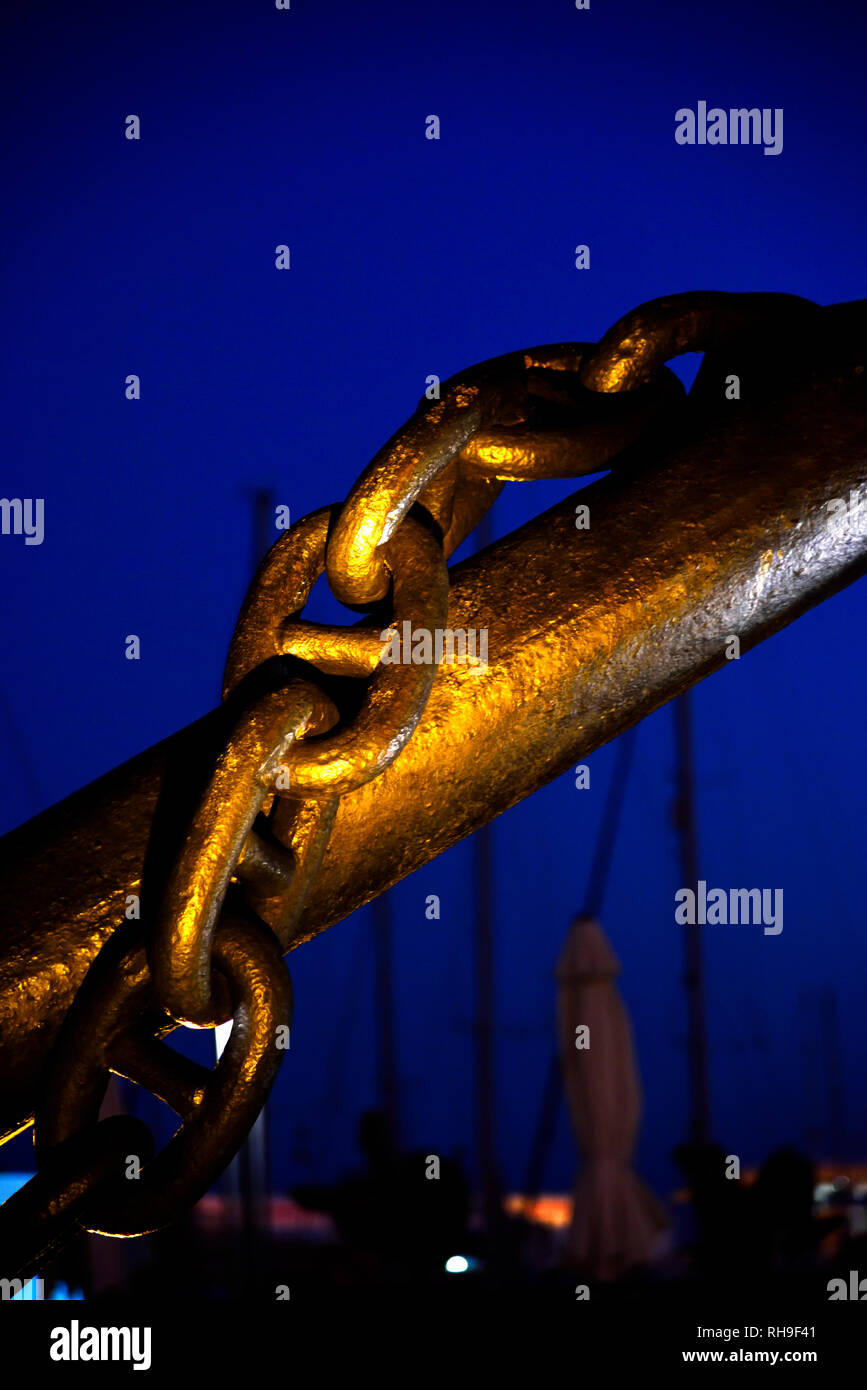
pixel 687 826
pixel 486 1113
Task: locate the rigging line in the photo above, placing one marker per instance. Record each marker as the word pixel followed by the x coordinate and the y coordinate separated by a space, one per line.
pixel 335 1066
pixel 601 864
pixel 552 1094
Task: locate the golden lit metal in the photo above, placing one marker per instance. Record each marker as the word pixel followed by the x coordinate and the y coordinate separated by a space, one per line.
pixel 717 519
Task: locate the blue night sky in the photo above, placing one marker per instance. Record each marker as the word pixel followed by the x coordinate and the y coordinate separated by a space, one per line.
pixel 412 257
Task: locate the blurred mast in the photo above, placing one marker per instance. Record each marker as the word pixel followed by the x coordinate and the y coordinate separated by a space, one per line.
pixel 832 1073
pixel 686 823
pixel 486 1111
pixel 552 1094
pixel 383 938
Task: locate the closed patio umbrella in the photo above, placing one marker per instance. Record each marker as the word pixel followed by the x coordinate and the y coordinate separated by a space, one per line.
pixel 615 1219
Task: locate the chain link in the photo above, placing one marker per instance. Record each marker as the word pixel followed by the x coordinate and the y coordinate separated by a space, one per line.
pixel 257 839
pixel 109 1029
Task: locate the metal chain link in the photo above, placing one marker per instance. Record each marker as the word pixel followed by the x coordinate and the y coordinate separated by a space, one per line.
pixel 257 840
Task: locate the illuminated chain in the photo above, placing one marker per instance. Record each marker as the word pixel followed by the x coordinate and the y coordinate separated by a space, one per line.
pixel 316 713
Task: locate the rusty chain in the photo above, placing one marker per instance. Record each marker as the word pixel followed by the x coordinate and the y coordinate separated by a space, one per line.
pixel 257 839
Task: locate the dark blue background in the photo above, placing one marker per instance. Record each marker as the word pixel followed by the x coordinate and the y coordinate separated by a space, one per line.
pixel 409 257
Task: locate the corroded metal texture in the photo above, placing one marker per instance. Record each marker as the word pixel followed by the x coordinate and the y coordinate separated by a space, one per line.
pixel 217 1107
pixel 721 529
pixel 589 631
